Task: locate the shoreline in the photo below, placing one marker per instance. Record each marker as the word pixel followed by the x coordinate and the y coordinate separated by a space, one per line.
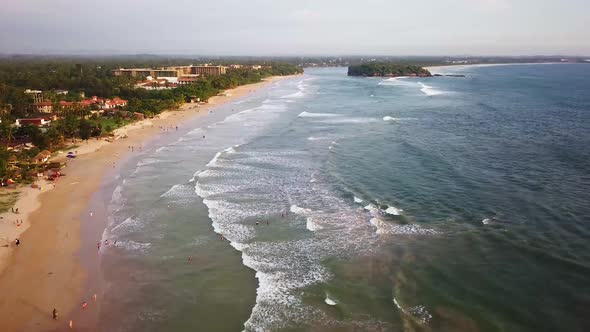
pixel 476 65
pixel 46 270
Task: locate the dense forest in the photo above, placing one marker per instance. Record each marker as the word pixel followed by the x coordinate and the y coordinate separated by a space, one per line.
pixel 387 69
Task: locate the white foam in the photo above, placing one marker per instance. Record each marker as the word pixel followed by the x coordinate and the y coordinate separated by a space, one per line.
pixel 131 245
pixel 195 176
pixel 428 90
pixel 313 138
pixel 147 161
pixel 396 81
pixel 393 210
pixel 117 194
pixel 349 120
pixel 299 210
pixel 172 191
pixel 311 225
pixel 329 301
pixel 486 221
pixel 214 160
pixel 397 305
pixel 386 228
pixel 297 94
pixel 129 224
pixel 316 115
pixel 373 209
pixel 357 200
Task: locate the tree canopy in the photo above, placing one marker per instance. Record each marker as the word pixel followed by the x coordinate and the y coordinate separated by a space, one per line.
pixel 387 69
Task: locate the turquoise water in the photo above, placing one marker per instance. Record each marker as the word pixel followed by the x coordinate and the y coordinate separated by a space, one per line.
pixel 327 202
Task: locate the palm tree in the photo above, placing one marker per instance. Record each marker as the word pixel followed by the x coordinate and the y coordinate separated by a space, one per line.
pixel 6 131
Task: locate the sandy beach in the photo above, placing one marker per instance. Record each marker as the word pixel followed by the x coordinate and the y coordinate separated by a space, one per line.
pixel 44 272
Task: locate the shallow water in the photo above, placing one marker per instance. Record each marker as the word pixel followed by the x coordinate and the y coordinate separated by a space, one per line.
pixel 444 204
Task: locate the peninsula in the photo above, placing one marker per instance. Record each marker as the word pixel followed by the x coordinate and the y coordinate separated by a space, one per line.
pixel 380 69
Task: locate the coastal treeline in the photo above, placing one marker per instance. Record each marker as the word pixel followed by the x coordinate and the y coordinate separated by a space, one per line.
pixel 152 102
pixel 95 78
pixel 69 81
pixel 372 69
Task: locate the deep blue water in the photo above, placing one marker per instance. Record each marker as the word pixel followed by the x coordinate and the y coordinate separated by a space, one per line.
pixel 355 204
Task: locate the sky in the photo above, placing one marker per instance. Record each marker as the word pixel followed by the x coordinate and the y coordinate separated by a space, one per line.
pixel 296 27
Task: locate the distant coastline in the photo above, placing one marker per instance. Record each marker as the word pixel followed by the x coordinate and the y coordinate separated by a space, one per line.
pixel 433 68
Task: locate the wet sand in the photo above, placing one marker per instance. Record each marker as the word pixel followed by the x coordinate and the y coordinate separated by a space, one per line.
pixel 45 271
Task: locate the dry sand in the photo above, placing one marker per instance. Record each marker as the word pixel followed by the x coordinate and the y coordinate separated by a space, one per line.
pixel 44 272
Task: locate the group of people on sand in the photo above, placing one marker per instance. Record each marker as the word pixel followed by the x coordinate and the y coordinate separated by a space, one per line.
pixel 106 243
pixel 132 148
pixel 83 305
pixel 168 128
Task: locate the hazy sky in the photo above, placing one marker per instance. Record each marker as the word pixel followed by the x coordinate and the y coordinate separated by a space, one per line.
pixel 296 27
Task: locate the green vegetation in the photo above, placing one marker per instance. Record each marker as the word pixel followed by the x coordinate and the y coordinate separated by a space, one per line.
pixel 387 69
pixel 150 102
pixel 93 77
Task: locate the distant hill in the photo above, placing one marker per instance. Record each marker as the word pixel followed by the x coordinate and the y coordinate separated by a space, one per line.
pixel 376 69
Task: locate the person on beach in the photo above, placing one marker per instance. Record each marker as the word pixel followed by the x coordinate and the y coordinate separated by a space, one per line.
pixel 267 223
pixel 257 223
pixel 98 245
pixel 17 242
pixel 190 259
pixel 54 314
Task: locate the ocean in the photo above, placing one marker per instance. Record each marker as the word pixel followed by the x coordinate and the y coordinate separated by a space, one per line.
pixel 333 203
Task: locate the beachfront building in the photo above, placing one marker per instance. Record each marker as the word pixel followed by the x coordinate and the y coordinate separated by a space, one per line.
pixel 161 83
pixel 103 104
pixel 39 122
pixel 188 79
pixel 208 70
pixel 116 102
pixel 37 95
pixel 175 71
pixel 43 107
